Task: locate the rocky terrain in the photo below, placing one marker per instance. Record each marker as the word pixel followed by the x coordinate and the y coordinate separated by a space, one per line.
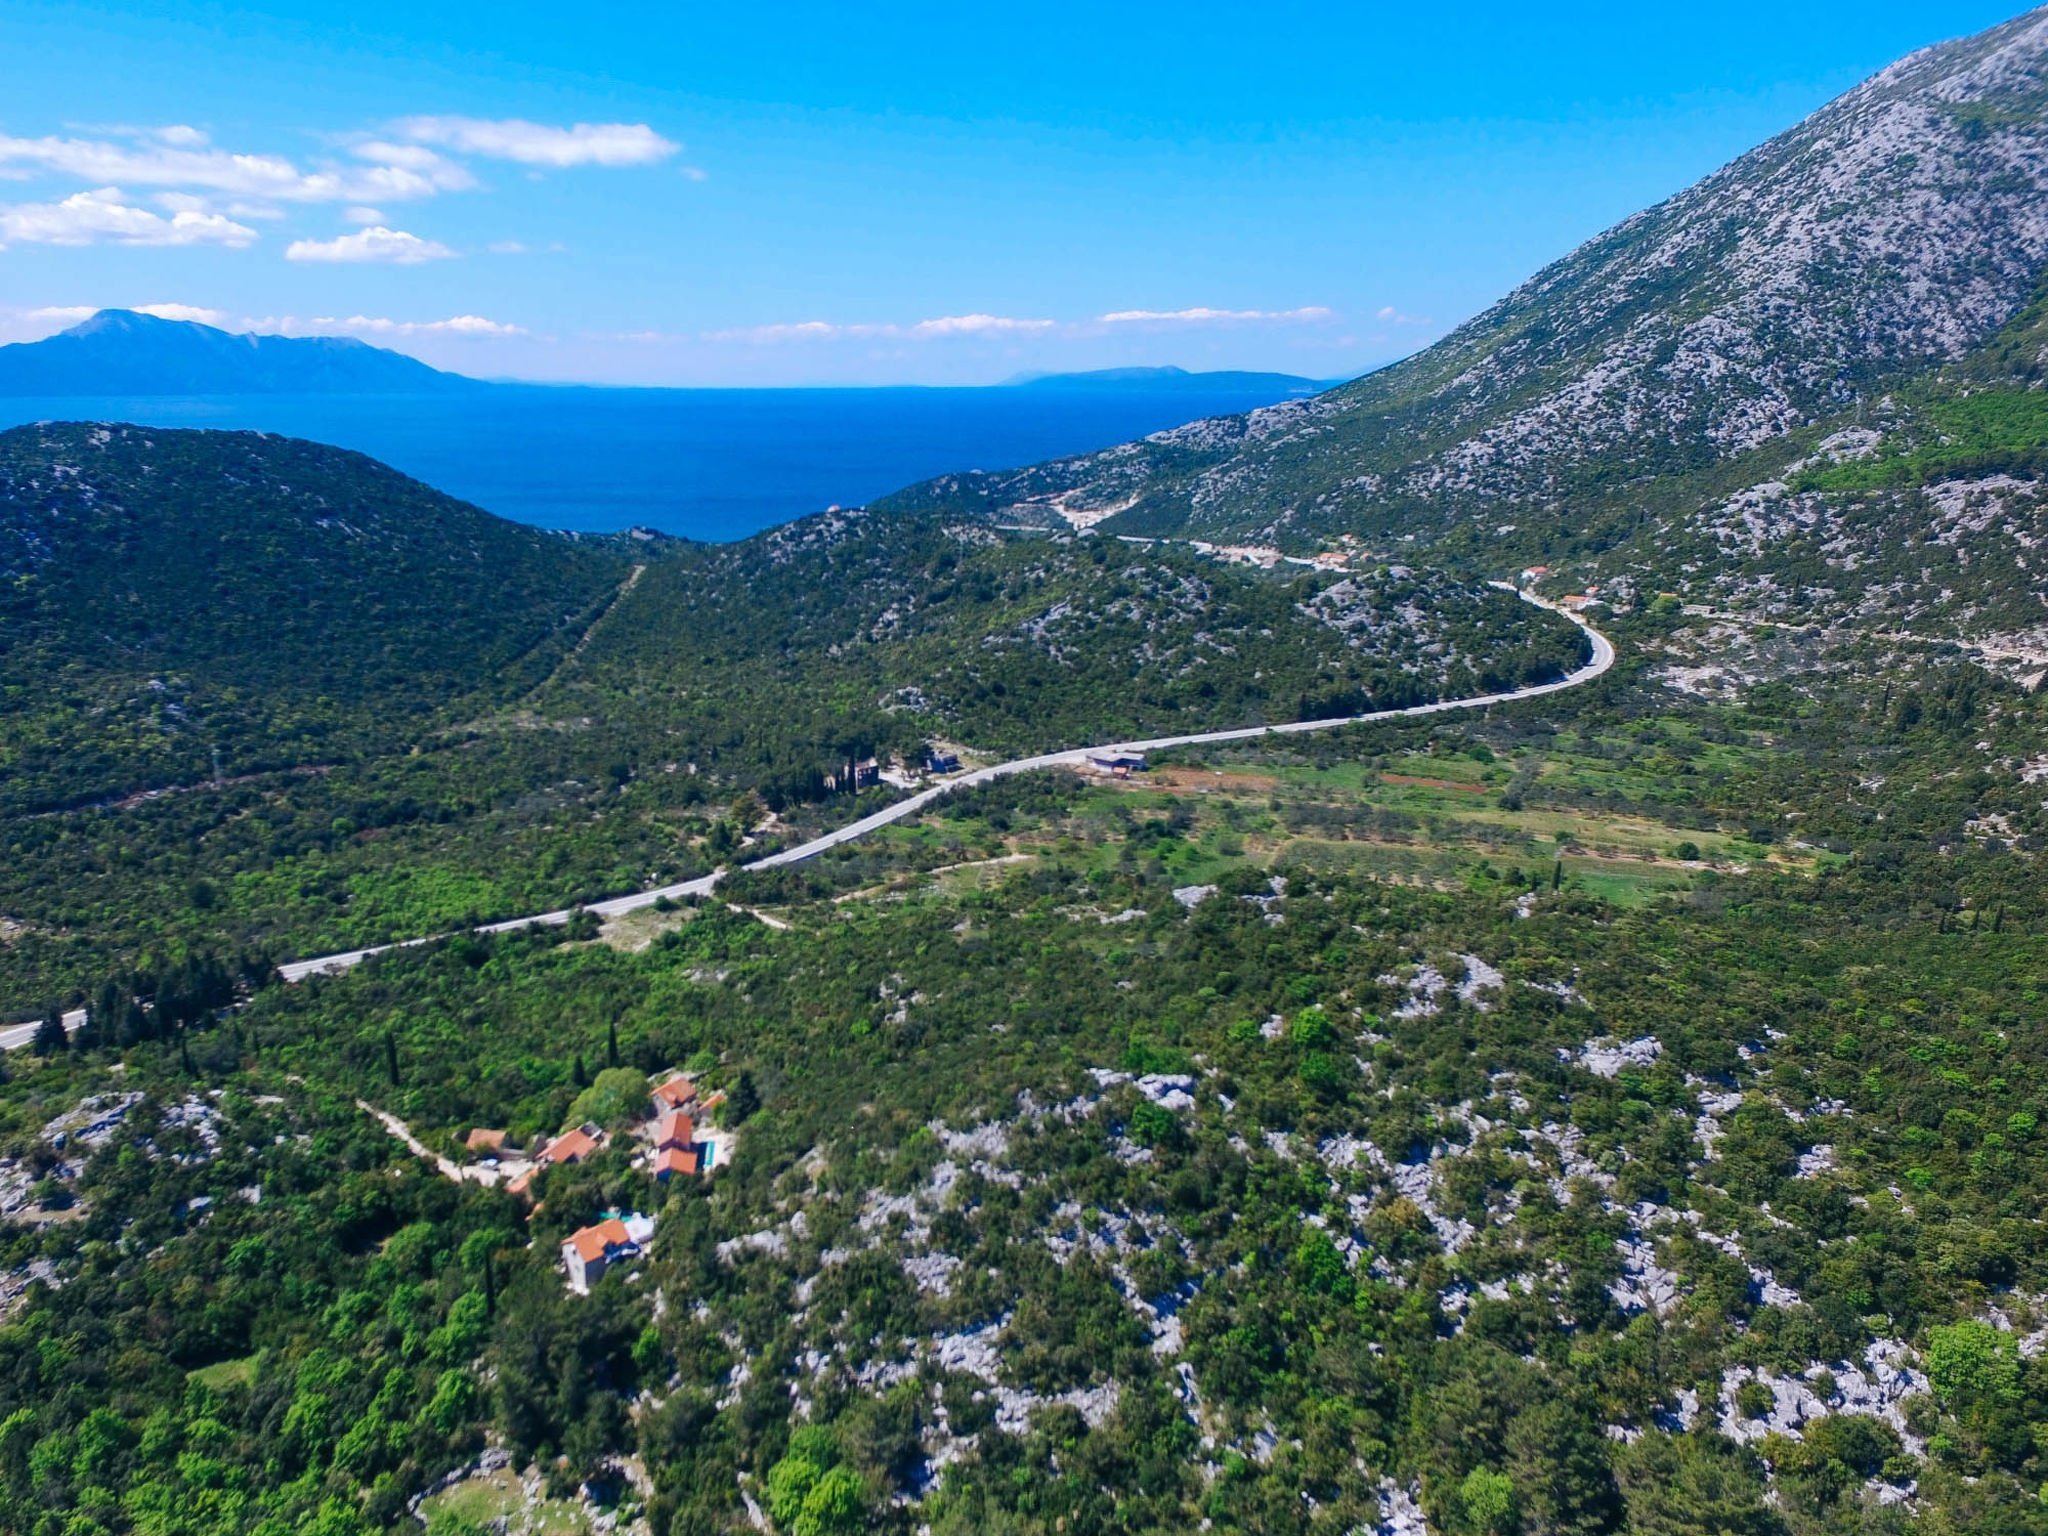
pixel 1639 406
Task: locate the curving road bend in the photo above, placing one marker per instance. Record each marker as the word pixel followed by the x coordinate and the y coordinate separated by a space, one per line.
pixel 1070 757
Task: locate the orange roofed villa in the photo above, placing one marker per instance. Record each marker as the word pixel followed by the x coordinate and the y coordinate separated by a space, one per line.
pixel 612 1239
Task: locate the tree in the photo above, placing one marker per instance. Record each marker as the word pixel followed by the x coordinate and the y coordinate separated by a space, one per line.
pixel 1694 1485
pixel 51 1038
pixel 611 1044
pixel 744 1102
pixel 1489 1500
pixel 391 1055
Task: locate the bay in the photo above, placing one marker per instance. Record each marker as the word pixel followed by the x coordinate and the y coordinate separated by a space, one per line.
pixel 711 464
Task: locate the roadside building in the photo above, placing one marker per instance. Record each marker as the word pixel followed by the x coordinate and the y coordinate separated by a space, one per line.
pixel 485 1141
pixel 1122 764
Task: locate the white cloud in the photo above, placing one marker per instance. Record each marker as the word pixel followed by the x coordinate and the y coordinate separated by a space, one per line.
pixel 182 312
pixel 394 247
pixel 157 164
pixel 824 330
pixel 90 218
pixel 1394 317
pixel 1216 316
pixel 360 215
pixel 976 325
pixel 800 330
pixel 182 136
pixel 474 326
pixel 508 247
pixel 70 314
pixel 513 138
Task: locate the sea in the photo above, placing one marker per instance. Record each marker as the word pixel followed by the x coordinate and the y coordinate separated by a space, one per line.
pixel 710 464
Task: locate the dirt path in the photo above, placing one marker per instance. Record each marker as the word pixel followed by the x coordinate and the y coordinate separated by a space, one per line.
pixel 448 1169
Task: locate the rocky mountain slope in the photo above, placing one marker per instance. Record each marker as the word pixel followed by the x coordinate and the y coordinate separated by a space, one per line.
pixel 1622 395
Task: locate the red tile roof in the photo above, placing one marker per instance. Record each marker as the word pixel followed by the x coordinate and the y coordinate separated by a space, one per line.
pixel 676 1092
pixel 674 1129
pixel 481 1140
pixel 675 1160
pixel 591 1243
pixel 572 1148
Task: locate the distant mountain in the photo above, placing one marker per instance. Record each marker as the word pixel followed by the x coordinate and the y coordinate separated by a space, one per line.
pixel 1667 403
pixel 1170 378
pixel 120 352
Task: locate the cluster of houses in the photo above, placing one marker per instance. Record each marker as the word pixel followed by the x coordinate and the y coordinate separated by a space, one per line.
pixel 674 1146
pixel 851 777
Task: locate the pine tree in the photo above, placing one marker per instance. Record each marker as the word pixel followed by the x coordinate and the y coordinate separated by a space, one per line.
pixel 50 1038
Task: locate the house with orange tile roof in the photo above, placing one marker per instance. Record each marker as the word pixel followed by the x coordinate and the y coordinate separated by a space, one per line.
pixel 674 1129
pixel 670 1161
pixel 572 1146
pixel 481 1140
pixel 676 1093
pixel 589 1251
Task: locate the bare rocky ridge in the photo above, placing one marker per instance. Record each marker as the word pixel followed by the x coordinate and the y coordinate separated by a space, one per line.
pixel 1887 235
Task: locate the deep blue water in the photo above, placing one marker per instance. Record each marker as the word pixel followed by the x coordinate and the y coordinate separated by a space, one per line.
pixel 702 463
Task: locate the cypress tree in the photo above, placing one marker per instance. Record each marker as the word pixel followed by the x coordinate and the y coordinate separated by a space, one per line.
pixel 391 1055
pixel 1557 875
pixel 577 1075
pixel 50 1036
pixel 611 1045
pixel 744 1100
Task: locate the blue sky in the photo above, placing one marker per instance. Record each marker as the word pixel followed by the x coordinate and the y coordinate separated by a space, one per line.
pixel 798 194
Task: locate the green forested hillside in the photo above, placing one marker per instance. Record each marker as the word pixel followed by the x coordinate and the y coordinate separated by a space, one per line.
pixel 185 605
pixel 1617 1113
pixel 1604 1117
pixel 266 696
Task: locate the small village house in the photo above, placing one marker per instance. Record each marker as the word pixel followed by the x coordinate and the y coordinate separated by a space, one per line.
pixel 572 1146
pixel 589 1251
pixel 676 1093
pixel 670 1161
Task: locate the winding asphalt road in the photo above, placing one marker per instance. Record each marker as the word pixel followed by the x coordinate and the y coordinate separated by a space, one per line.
pixel 328 965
